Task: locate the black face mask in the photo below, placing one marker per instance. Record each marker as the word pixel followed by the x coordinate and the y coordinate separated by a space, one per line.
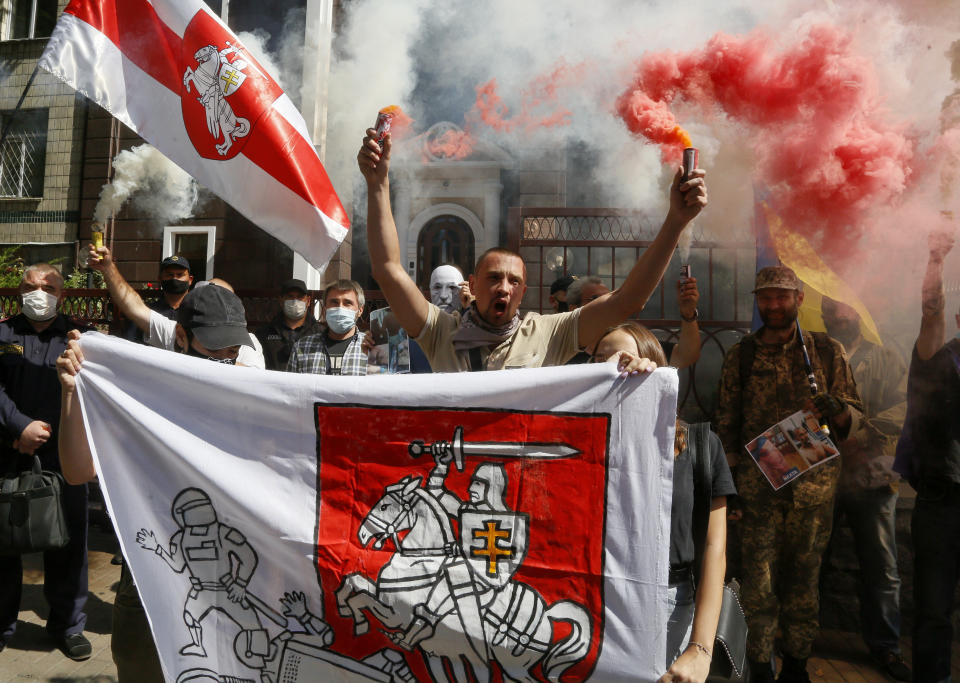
pixel 196 354
pixel 174 286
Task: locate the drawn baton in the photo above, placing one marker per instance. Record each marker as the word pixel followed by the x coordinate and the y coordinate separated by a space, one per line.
pixel 268 611
pixel 458 449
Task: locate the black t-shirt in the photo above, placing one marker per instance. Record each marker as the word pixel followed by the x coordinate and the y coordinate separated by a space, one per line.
pixel 668 348
pixel 933 394
pixel 335 350
pixel 682 549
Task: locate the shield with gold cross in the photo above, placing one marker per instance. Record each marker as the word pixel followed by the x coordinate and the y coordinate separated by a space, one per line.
pixel 231 78
pixel 494 544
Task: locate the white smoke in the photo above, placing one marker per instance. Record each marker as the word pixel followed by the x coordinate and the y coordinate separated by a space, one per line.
pixel 158 187
pixel 428 56
pixel 285 63
pixel 255 42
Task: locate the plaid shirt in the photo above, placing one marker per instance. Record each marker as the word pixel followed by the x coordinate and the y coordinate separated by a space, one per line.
pixel 310 355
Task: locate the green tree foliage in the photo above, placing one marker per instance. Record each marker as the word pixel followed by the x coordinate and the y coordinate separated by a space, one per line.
pixel 12 267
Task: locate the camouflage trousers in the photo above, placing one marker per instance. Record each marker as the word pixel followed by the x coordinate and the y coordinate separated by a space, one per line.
pixel 782 547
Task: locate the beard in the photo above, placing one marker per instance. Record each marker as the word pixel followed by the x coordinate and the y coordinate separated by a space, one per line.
pixel 778 320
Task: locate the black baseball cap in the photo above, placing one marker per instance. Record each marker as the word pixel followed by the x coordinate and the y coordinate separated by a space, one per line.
pixel 293 283
pixel 216 317
pixel 561 283
pixel 177 261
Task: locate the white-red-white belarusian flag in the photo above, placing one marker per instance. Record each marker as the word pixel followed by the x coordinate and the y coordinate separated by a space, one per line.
pixel 174 73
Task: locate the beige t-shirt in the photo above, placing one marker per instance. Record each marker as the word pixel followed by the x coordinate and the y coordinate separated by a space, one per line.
pixel 539 340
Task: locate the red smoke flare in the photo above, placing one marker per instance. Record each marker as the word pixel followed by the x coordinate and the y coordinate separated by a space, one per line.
pixel 811 110
pixel 654 121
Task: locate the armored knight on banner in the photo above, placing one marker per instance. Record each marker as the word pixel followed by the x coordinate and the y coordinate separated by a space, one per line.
pixel 454 595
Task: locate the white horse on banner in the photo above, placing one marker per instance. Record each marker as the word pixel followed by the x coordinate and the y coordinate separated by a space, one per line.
pixel 516 621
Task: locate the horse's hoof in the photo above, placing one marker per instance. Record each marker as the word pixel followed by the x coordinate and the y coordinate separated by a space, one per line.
pixel 361 627
pixel 344 611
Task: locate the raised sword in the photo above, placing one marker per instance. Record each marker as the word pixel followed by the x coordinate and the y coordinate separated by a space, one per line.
pixel 459 449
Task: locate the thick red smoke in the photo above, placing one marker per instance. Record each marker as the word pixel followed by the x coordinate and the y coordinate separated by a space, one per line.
pixel 654 121
pixel 810 109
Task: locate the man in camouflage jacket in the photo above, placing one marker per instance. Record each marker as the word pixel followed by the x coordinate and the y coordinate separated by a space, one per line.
pixel 784 532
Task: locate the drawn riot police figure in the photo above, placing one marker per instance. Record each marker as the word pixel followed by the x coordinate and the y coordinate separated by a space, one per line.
pixel 219 560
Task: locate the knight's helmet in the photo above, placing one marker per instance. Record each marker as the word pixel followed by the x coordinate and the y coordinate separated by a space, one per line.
pixel 192 507
pixel 494 478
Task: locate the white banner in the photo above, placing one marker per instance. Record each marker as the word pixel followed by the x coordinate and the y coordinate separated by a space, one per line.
pixel 388 528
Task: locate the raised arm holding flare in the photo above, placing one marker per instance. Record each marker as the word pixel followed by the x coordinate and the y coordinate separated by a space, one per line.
pixel 492 326
pixel 122 294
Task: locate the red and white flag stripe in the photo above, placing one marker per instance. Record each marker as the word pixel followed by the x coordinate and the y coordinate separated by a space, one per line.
pixel 133 57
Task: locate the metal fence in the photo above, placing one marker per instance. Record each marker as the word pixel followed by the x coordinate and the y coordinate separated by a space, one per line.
pixel 608 242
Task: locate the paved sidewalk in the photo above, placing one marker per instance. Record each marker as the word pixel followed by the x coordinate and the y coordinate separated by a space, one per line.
pixel 32 656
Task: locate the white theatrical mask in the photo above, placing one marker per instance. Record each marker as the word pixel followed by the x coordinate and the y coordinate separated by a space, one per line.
pixel 445 288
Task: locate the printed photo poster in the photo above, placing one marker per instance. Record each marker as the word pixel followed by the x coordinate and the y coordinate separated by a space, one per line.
pixel 475 542
pixel 791 447
pixel 391 345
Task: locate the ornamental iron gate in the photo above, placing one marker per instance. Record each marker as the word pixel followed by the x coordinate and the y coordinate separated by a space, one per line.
pixel 607 242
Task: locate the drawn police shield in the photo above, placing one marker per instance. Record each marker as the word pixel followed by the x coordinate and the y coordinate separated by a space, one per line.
pixel 494 544
pixel 224 92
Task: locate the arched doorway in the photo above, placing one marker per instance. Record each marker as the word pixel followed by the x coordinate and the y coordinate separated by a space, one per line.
pixel 444 239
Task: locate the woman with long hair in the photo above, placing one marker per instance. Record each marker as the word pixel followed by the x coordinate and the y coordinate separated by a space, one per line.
pixel 693 614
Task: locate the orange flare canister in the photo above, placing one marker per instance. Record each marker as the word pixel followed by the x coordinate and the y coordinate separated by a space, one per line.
pixel 384 120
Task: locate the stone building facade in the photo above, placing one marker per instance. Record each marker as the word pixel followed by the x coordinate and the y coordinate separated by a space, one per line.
pixel 41 159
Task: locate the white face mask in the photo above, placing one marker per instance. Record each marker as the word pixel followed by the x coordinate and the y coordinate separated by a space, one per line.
pixel 341 319
pixel 445 288
pixel 294 309
pixel 38 305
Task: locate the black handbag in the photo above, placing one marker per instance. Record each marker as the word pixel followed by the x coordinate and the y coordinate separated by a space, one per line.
pixel 31 512
pixel 730 645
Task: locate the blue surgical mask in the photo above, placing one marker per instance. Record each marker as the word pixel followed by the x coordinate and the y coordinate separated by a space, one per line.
pixel 339 320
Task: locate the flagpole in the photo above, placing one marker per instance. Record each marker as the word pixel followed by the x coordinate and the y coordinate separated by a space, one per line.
pixel 13 114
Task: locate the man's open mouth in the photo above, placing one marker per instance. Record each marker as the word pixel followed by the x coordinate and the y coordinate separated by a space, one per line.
pixel 500 306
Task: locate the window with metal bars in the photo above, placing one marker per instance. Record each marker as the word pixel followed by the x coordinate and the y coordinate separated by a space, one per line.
pixel 33 18
pixel 23 153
